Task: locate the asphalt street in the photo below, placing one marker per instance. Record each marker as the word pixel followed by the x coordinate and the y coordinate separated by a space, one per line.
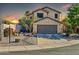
pixel 70 50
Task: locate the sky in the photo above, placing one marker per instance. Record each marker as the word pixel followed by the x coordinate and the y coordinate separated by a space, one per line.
pixel 18 9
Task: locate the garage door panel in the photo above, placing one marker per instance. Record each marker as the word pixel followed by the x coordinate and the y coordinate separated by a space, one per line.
pixel 47 29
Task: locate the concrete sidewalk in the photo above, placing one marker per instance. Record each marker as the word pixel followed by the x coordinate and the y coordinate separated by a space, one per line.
pixel 42 44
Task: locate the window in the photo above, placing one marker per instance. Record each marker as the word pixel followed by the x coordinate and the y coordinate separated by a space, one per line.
pixel 40 15
pixel 56 15
pixel 31 17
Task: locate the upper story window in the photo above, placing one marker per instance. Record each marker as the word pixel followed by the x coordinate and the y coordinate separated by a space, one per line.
pixel 56 15
pixel 40 15
pixel 30 17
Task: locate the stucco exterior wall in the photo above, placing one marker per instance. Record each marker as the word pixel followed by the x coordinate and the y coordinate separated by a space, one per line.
pixel 7 26
pixel 46 21
pixel 52 13
pixel 60 28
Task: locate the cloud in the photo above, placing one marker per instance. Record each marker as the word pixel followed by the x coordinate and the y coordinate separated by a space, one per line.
pixel 66 6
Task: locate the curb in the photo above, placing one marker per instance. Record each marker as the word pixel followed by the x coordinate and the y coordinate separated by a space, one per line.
pixel 31 47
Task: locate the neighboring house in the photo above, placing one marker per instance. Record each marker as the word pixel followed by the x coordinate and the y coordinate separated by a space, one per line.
pixel 1 30
pixel 4 30
pixel 46 21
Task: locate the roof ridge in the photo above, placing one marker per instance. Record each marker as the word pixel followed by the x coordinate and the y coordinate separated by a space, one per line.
pixel 43 10
pixel 51 9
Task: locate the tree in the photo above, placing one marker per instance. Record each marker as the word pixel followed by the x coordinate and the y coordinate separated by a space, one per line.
pixel 67 25
pixel 72 20
pixel 30 25
pixel 26 23
pixel 26 13
pixel 22 22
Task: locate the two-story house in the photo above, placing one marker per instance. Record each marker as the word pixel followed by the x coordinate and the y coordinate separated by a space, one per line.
pixel 46 21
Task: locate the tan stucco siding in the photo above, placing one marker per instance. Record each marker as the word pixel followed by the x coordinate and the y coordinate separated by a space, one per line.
pixel 52 13
pixel 46 22
pixel 60 28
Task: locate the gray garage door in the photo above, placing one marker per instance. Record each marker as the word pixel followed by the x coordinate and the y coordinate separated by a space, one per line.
pixel 47 29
